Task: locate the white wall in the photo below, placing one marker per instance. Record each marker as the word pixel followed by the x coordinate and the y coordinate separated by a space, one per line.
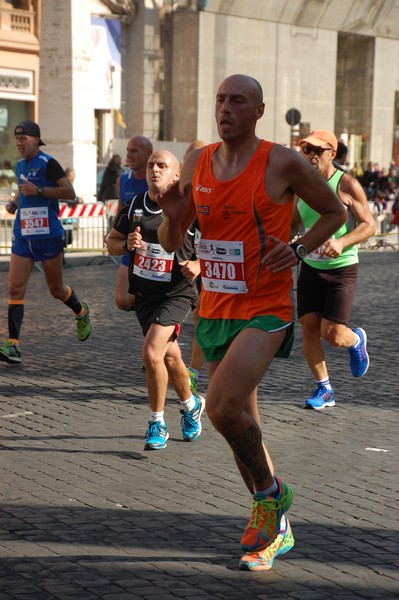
pixel 386 82
pixel 295 65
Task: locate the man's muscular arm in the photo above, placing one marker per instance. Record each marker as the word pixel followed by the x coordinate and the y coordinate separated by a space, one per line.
pixel 288 173
pixel 178 206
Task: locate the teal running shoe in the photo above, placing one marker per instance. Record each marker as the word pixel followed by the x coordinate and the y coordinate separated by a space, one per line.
pixel 192 380
pixel 320 398
pixel 156 436
pixel 10 353
pixel 358 357
pixel 263 560
pixel 83 324
pixel 191 421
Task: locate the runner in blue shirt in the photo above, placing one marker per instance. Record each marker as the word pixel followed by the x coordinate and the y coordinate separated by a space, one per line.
pixel 38 235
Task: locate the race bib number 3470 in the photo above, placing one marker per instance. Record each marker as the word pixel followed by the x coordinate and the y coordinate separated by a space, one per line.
pixel 222 266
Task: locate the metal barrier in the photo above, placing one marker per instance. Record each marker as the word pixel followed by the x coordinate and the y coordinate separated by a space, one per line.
pixel 6 226
pixel 111 207
pixel 387 234
pixel 85 226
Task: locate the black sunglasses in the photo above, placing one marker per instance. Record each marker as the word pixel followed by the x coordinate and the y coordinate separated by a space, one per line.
pixel 307 149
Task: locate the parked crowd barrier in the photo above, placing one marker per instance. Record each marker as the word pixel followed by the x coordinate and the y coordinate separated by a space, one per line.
pixel 85 227
pixel 387 234
pixel 6 225
pixel 112 210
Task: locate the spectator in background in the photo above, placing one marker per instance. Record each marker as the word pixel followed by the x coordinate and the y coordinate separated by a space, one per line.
pixel 369 181
pixel 357 172
pixel 108 189
pixel 71 175
pixel 7 174
pixel 393 174
pixel 6 168
pixel 382 191
pixel 339 161
pixel 395 207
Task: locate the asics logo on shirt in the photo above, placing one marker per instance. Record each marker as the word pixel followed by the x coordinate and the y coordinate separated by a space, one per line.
pixel 200 188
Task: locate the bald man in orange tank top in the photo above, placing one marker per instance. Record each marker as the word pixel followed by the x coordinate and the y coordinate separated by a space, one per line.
pixel 241 190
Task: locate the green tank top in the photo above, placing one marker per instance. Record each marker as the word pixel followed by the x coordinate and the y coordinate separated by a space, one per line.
pixel 309 217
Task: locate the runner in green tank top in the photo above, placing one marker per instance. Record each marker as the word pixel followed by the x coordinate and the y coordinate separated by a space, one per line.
pixel 327 280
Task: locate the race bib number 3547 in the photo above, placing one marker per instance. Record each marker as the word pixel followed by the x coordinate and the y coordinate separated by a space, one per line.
pixel 34 221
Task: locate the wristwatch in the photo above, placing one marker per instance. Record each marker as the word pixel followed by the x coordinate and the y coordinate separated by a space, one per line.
pixel 300 251
pixel 39 190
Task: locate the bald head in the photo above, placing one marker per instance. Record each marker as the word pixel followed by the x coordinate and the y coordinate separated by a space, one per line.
pixel 138 150
pixel 239 105
pixel 163 168
pixel 195 145
pixel 142 142
pixel 247 84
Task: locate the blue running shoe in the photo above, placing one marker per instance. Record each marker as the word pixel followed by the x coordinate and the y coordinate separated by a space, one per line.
pixel 320 398
pixel 263 560
pixel 359 359
pixel 156 436
pixel 191 421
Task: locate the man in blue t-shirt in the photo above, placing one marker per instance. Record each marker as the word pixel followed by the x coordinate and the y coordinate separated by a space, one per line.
pixel 138 151
pixel 38 235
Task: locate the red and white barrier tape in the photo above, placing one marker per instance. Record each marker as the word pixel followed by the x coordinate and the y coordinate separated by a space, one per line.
pixel 81 210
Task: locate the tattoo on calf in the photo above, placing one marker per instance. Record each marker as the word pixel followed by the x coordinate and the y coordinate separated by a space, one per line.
pixel 249 450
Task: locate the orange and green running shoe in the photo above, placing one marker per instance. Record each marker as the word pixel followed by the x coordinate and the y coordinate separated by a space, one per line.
pixel 263 560
pixel 264 524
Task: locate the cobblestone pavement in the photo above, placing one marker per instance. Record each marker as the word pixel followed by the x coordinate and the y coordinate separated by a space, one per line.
pixel 86 513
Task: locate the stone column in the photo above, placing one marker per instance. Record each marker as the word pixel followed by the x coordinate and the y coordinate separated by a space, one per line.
pixel 66 114
pixel 141 71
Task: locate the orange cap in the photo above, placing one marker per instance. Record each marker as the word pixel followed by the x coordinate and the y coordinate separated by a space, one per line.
pixel 319 137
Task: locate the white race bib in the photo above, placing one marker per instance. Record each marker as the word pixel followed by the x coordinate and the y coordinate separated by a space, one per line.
pixel 152 262
pixel 34 221
pixel 222 266
pixel 318 254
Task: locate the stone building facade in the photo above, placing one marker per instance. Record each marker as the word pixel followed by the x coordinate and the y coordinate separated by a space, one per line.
pixel 335 61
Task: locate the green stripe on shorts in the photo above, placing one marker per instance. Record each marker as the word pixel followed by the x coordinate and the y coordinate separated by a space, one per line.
pixel 215 335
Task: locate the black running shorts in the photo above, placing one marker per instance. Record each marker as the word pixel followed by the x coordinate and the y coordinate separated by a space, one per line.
pixel 328 292
pixel 166 311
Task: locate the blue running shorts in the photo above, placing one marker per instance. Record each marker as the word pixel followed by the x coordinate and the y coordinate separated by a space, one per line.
pixel 38 250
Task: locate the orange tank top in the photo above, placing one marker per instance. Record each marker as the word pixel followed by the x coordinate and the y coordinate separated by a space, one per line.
pixel 235 217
